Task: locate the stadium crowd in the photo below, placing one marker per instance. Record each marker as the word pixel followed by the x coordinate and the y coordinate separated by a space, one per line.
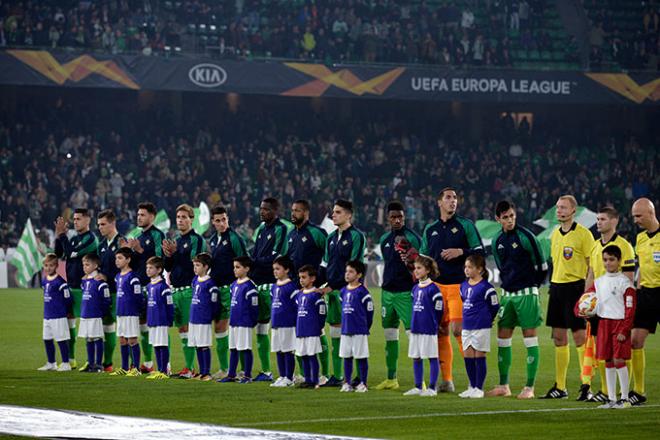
pixel 58 157
pixel 449 33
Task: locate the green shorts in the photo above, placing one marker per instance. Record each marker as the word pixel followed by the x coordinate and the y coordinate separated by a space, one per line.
pixel 522 311
pixel 182 298
pixel 334 307
pixel 112 317
pixel 397 307
pixel 225 303
pixel 76 299
pixel 264 303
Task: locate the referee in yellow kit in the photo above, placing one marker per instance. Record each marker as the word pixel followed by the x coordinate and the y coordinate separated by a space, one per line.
pixel 647 314
pixel 570 248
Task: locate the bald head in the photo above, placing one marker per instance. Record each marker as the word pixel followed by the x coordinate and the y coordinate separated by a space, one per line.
pixel 643 213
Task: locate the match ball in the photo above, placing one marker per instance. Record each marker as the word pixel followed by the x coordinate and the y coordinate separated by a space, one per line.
pixel 587 304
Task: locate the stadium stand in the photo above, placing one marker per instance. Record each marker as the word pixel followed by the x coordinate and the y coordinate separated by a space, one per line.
pixel 624 34
pixel 58 154
pixel 506 33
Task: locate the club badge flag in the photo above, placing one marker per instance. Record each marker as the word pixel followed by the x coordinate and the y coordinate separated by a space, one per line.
pixel 27 257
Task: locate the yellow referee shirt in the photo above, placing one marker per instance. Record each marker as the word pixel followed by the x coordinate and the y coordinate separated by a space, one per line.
pixel 648 252
pixel 627 255
pixel 569 252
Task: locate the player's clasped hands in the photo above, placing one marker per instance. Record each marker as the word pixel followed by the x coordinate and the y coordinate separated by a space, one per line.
pixel 132 243
pixel 450 254
pixel 169 247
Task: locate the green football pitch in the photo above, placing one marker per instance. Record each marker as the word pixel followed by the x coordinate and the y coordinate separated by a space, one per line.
pixel 383 414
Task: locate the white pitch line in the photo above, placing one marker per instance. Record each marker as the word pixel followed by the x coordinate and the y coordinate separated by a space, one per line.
pixel 429 415
pixel 37 422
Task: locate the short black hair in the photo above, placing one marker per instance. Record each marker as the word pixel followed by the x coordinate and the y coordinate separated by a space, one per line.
pixel 147 206
pixel 284 261
pixel 308 269
pixel 244 261
pixel 304 203
pixel 125 251
pixel 108 214
pixel 83 211
pixel 345 204
pixel 503 206
pixel 358 266
pixel 395 205
pixel 613 250
pixel 203 258
pixel 218 210
pixel 273 202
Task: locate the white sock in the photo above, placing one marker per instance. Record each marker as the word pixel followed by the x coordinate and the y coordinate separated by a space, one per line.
pixel 623 380
pixel 610 377
pixel 149 364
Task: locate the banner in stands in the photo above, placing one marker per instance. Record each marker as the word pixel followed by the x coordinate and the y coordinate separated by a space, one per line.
pixel 43 68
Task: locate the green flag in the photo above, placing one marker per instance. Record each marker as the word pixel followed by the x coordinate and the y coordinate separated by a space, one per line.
pixel 202 218
pixel 488 230
pixel 27 258
pixel 162 222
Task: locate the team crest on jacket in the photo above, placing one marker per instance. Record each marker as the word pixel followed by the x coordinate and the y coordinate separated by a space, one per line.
pixel 454 230
pixel 568 253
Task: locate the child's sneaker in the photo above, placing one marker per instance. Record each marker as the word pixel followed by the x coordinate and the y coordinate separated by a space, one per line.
pixel 206 378
pixel 119 372
pixel 622 404
pixel 429 392
pixel 465 393
pixel 499 391
pixel 264 377
pixel 277 383
pixel 48 367
pixel 153 374
pixel 413 392
pixel 476 394
pixel 227 379
pixel 84 368
pixel 361 388
pixel 108 368
pixel 607 405
pixel 287 382
pixel 64 366
pixel 245 379
pixel 221 374
pixel 144 368
pixel 346 388
pixel 322 379
pixel 526 393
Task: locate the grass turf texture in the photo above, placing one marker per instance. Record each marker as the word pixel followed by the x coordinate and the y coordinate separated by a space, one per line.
pixel 385 414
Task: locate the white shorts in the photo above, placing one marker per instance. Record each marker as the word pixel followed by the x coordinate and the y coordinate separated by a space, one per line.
pixel 309 346
pixel 128 326
pixel 57 329
pixel 240 338
pixel 478 339
pixel 422 346
pixel 90 328
pixel 200 335
pixel 354 346
pixel 158 336
pixel 283 339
